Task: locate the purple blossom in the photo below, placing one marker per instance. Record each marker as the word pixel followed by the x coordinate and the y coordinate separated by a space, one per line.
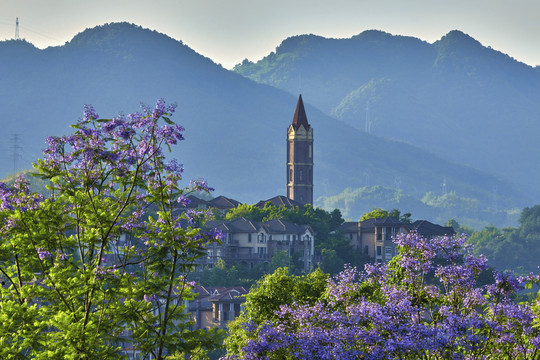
pixel 150 298
pixel 43 254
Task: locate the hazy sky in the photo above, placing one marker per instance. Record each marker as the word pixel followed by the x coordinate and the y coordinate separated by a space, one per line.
pixel 227 31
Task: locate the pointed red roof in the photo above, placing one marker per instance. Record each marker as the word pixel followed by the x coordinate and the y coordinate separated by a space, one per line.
pixel 300 117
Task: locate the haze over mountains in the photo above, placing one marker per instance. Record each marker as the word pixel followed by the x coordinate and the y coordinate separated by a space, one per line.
pixel 456 98
pixel 453 102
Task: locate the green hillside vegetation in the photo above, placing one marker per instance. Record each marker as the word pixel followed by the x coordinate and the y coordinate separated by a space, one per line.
pixel 456 98
pixel 433 206
pixel 516 249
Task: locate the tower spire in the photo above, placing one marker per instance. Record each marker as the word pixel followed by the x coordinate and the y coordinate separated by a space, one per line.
pixel 300 117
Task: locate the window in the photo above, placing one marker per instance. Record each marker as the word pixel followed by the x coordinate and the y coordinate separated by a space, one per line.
pixel 290 175
pixel 366 250
pixel 379 250
pixel 261 238
pixel 310 152
pixel 301 175
pixel 387 253
pixel 249 237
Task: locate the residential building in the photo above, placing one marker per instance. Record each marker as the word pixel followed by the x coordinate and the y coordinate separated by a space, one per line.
pixel 215 306
pixel 374 236
pixel 247 242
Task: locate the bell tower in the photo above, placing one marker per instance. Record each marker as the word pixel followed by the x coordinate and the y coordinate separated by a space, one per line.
pixel 300 157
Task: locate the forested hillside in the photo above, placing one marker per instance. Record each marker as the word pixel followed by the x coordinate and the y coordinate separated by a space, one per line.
pixel 456 98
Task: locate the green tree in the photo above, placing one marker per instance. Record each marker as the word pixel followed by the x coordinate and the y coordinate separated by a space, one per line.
pixel 281 259
pixel 267 296
pixel 378 213
pixel 87 269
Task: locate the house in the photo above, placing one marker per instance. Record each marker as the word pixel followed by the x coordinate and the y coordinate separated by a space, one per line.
pixel 215 306
pixel 278 201
pixel 249 242
pixel 374 236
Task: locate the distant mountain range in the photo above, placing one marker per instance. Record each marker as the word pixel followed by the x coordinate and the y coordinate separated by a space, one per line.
pixel 236 127
pixel 455 98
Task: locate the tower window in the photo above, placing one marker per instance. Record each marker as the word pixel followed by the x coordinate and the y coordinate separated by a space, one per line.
pixel 310 151
pixel 290 175
pixel 301 175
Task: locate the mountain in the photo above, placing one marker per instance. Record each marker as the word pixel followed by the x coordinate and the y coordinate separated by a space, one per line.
pixel 455 98
pixel 235 128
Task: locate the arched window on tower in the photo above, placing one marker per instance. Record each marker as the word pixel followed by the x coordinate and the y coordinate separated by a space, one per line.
pixel 301 175
pixel 290 176
pixel 310 151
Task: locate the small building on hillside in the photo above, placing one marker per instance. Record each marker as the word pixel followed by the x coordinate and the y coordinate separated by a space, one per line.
pixel 374 236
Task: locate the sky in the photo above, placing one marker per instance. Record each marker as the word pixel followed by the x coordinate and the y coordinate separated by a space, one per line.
pixel 228 31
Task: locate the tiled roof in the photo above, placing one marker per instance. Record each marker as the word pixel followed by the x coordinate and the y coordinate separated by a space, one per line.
pixel 300 117
pixel 240 225
pixel 233 294
pixel 278 226
pixel 349 226
pixel 222 203
pixel 388 221
pixel 424 227
pixel 278 201
pixel 195 202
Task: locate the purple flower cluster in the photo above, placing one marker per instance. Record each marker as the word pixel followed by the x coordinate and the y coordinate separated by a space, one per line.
pixel 410 318
pixel 43 254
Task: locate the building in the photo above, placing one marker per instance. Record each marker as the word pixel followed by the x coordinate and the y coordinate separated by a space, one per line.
pixel 300 157
pixel 215 306
pixel 278 201
pixel 248 243
pixel 374 236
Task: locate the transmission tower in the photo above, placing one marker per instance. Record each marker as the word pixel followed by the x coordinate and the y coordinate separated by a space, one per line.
pixel 17 29
pixel 16 151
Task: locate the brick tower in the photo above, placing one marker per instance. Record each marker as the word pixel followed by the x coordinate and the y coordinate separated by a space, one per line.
pixel 300 157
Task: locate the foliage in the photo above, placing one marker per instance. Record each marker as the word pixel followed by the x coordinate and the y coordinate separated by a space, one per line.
pixel 265 299
pixel 86 272
pixel 391 311
pixel 428 206
pixel 324 223
pixel 514 249
pixel 378 213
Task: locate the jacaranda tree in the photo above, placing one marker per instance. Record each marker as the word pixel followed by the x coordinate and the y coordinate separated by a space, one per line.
pixel 424 304
pixel 98 268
